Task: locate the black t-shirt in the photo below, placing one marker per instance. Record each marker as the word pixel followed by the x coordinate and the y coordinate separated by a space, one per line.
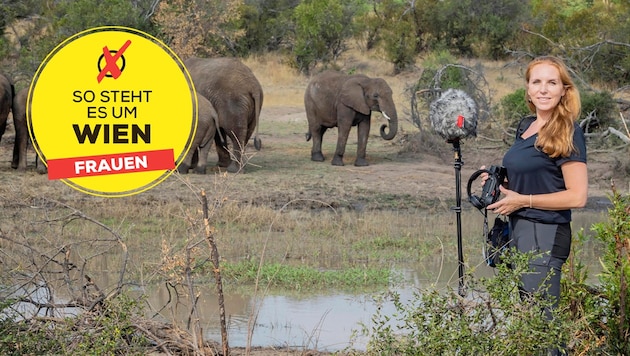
pixel 531 171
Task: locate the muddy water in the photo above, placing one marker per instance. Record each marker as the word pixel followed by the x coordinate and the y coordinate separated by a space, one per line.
pixel 327 321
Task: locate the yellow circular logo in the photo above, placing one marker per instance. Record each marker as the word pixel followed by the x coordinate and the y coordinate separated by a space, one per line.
pixel 112 111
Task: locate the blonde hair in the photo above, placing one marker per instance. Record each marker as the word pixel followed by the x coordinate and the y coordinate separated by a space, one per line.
pixel 555 138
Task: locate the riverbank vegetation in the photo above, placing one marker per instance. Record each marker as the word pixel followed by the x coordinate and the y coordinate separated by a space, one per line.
pixel 493 319
pixel 70 276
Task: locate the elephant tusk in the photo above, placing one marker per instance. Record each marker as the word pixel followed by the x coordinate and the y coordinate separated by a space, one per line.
pixel 387 117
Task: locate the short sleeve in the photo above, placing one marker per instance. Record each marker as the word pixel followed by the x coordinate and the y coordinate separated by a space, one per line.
pixel 579 142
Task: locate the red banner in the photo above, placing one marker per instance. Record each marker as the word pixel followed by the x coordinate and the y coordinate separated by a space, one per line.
pixel 132 162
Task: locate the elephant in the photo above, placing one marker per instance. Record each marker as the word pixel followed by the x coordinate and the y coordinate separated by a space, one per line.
pixel 21 131
pixel 22 138
pixel 201 143
pixel 336 99
pixel 7 92
pixel 237 96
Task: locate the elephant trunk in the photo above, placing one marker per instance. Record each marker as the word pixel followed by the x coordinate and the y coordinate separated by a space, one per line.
pixel 393 126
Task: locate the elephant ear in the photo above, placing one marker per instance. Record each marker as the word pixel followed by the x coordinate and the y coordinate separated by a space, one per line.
pixel 352 95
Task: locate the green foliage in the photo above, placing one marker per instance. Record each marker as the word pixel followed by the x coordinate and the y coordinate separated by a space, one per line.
pixel 400 44
pixel 585 305
pixel 79 15
pixel 317 31
pixel 16 339
pixel 493 320
pixel 437 72
pixel 368 25
pixel 107 330
pixel 512 107
pixel 303 277
pixel 12 9
pixel 567 31
pixel 494 26
pixel 113 330
pixel 321 26
pixel 615 234
pixel 51 24
pixel 4 47
pixel 470 27
pixel 600 107
pixel 268 25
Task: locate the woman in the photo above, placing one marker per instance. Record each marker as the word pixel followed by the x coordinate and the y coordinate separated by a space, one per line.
pixel 546 175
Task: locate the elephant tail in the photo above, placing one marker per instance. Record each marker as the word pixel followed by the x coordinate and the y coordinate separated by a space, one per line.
pixel 13 101
pixel 258 107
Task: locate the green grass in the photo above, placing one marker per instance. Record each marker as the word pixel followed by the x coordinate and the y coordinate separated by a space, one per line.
pixel 304 278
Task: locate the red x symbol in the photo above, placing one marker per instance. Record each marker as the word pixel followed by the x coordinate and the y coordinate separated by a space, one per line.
pixel 110 60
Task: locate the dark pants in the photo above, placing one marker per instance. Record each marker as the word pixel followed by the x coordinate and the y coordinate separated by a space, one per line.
pixel 551 243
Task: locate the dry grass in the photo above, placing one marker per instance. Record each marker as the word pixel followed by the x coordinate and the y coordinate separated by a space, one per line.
pixel 284 86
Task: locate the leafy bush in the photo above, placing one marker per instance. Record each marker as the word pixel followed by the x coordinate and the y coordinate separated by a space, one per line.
pixel 493 319
pixel 106 330
pixel 321 28
pixel 614 327
pixel 400 46
pixel 268 25
pixel 600 108
pixel 512 107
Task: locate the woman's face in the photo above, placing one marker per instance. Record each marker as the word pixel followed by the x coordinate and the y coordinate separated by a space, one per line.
pixel 545 88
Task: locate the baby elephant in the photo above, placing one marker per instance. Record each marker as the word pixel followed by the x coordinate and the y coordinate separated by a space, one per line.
pixel 197 157
pixel 336 99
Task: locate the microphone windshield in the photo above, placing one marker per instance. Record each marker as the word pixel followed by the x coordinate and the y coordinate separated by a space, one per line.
pixel 454 115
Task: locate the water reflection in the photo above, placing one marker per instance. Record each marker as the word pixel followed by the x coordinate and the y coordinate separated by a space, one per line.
pixel 318 321
pixel 328 321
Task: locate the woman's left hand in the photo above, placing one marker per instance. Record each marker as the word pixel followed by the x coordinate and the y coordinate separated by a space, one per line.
pixel 511 202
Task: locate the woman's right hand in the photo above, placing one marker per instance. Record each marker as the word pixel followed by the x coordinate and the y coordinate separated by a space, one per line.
pixel 483 176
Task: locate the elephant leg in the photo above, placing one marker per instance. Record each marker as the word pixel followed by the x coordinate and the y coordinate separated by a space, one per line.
pixel 19 152
pixel 22 149
pixel 363 132
pixel 342 139
pixel 239 159
pixel 183 168
pixel 195 158
pixel 40 166
pixel 222 150
pixel 316 152
pixel 203 159
pixel 21 141
pixel 3 125
pixel 185 165
pixel 231 158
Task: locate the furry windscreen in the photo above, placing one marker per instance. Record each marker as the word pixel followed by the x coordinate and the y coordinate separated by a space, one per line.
pixel 454 115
